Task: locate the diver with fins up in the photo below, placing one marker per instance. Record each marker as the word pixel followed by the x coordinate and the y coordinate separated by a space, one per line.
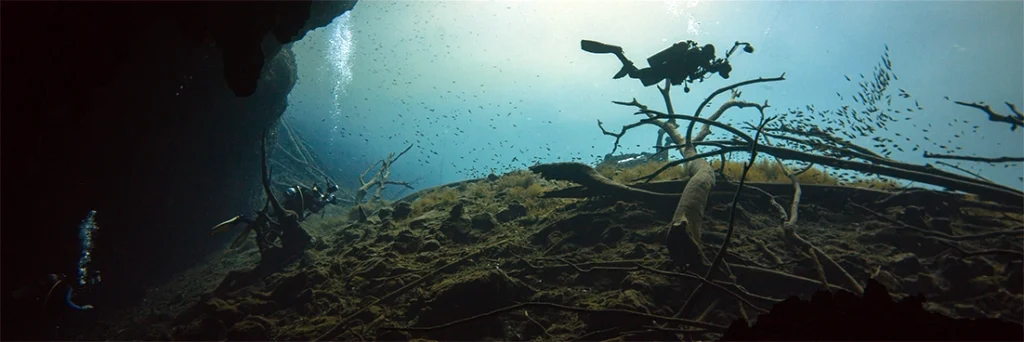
pixel 682 62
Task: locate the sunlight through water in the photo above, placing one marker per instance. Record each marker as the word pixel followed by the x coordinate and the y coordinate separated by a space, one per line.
pixel 340 44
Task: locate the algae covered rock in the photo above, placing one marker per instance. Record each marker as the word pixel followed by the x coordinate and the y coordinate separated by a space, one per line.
pixel 401 210
pixel 513 211
pixel 384 213
pixel 247 330
pixel 483 222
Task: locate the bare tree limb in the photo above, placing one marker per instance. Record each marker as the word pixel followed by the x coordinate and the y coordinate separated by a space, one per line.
pixel 669 165
pixel 975 159
pixel 706 130
pixel 314 171
pixel 295 142
pixel 380 178
pixel 989 191
pixel 967 254
pixel 789 230
pixel 833 141
pixel 850 150
pixel 622 132
pixel 1015 120
pixel 979 177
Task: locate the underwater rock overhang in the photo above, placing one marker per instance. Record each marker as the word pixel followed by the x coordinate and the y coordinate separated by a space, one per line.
pixel 58 56
pixel 89 41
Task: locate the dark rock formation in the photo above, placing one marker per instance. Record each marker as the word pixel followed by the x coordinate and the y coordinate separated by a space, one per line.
pixel 1014 273
pixel 401 211
pixel 385 213
pixel 149 113
pixel 842 316
pixel 513 211
pixel 483 221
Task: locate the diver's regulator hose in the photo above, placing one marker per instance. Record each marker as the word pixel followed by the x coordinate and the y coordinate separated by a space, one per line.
pixel 67 299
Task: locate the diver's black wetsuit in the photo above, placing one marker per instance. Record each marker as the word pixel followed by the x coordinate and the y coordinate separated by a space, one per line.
pixel 300 199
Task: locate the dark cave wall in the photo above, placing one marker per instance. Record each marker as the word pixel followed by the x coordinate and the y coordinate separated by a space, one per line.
pixel 149 113
pixel 179 152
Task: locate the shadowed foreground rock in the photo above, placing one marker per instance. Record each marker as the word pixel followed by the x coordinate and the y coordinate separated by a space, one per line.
pixel 842 316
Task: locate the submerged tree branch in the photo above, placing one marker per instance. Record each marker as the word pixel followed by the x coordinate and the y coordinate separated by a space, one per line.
pixel 976 175
pixel 1016 120
pixel 732 219
pixel 689 129
pixel 380 178
pixel 975 159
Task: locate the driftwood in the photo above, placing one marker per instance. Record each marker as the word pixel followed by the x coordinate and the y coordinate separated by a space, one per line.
pixel 380 178
pixel 594 183
pixel 720 256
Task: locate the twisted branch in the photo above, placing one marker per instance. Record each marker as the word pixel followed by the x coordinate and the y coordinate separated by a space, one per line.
pixel 689 129
pixel 380 178
pixel 732 217
pixel 1015 120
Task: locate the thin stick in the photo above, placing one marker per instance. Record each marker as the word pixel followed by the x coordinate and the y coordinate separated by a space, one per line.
pixel 964 171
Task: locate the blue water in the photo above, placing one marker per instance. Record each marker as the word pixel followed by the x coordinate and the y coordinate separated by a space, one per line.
pixel 475 85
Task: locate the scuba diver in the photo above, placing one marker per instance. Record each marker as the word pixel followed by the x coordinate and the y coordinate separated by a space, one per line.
pixel 682 62
pixel 280 237
pixel 47 289
pixel 51 298
pixel 300 199
pixel 260 223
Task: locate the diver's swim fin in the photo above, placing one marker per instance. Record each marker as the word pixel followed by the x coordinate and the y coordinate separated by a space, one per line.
pixel 623 72
pixel 224 226
pixel 596 47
